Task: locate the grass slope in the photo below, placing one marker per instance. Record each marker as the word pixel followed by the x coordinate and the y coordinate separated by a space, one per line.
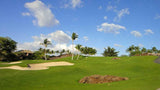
pixel 142 72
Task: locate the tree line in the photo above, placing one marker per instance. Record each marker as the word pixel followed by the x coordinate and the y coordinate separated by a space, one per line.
pixel 8 47
pixel 136 50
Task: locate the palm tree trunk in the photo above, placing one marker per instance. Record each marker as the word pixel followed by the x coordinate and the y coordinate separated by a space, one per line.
pixel 78 57
pixel 45 53
pixel 73 50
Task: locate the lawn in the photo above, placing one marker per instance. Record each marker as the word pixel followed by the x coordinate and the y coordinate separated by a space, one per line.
pixel 142 72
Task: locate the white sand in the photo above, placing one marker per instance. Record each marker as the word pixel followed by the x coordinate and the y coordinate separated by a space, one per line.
pixel 13 62
pixel 40 66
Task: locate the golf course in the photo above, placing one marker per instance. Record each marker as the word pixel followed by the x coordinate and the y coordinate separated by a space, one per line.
pixel 142 72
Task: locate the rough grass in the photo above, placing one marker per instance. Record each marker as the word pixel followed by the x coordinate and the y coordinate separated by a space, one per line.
pixel 142 72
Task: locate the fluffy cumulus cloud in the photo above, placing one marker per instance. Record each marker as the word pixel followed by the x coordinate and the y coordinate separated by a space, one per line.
pixel 59 39
pixel 85 38
pixel 136 33
pixel 148 31
pixel 73 4
pixel 42 13
pixel 118 45
pixel 121 13
pixel 110 28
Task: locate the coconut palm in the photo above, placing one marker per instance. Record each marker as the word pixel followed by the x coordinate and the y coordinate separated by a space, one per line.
pixel 74 36
pixel 154 49
pixel 110 52
pixel 52 52
pixel 137 48
pixel 149 51
pixel 45 44
pixel 143 50
pixel 78 47
pixel 131 48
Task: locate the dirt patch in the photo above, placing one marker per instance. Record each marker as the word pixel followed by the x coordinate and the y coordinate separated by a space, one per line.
pixel 101 79
pixel 39 66
pixel 13 62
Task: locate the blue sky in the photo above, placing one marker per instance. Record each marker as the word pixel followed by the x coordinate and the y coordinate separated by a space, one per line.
pixel 99 23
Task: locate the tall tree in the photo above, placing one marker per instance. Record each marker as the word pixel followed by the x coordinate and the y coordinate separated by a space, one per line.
pixel 74 36
pixel 149 51
pixel 144 50
pixel 131 48
pixel 110 52
pixel 154 49
pixel 78 47
pixel 137 48
pixel 7 46
pixel 45 44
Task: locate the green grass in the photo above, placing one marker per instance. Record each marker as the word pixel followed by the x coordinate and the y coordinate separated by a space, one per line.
pixel 142 72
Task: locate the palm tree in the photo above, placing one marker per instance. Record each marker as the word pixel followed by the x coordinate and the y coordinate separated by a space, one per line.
pixel 143 50
pixel 110 52
pixel 57 52
pixel 78 47
pixel 45 43
pixel 63 50
pixel 131 48
pixel 52 52
pixel 68 52
pixel 149 51
pixel 74 36
pixel 137 48
pixel 154 49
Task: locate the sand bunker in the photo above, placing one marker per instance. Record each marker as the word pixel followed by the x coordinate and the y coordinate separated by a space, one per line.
pixel 13 62
pixel 39 66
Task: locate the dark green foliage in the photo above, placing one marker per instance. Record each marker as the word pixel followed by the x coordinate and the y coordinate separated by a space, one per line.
pixel 7 47
pixel 149 51
pixel 135 53
pixel 144 50
pixel 136 50
pixel 74 36
pixel 88 50
pixel 38 55
pixel 110 52
pixel 154 49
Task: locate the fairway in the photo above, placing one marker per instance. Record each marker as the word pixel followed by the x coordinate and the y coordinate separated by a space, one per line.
pixel 142 72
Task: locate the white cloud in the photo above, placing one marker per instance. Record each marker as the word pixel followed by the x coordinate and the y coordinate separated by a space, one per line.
pixel 73 4
pixel 42 13
pixel 136 33
pixel 157 17
pixel 121 13
pixel 141 45
pixel 148 31
pixel 117 45
pixel 26 14
pixel 76 3
pixel 85 38
pixel 59 41
pixel 110 28
pixel 105 17
pixel 59 37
